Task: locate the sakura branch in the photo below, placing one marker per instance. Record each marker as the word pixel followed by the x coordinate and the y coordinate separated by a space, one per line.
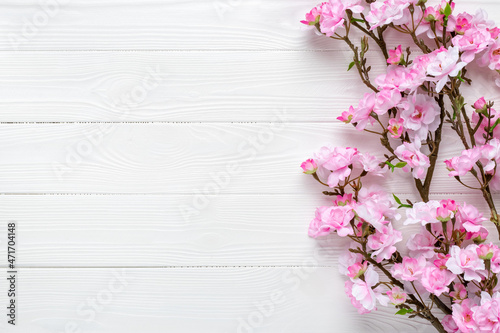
pixel 448 272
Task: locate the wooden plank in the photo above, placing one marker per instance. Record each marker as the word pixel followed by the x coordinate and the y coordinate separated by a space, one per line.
pixel 153 230
pixel 183 158
pixel 173 24
pixel 193 300
pixel 176 86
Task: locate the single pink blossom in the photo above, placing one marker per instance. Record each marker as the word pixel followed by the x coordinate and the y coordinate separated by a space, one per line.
pixel 470 218
pixel 347 116
pixel 486 251
pixel 449 324
pixel 423 213
pixel 396 296
pixel 435 280
pixel 364 293
pixel 396 127
pixel 421 244
pixel 347 259
pixel 480 104
pixel 459 293
pixel 446 64
pixel 395 56
pixel 463 22
pixel 357 269
pixel 383 241
pixel 376 207
pixel 463 315
pixel 472 42
pixel 465 261
pixel 335 163
pixel 314 15
pixel 416 160
pixel 487 315
pixel 385 100
pixel 362 114
pixel 421 115
pixel 332 18
pixel 461 165
pixel 410 269
pixel 389 11
pixel 348 290
pixel 332 218
pixel 441 260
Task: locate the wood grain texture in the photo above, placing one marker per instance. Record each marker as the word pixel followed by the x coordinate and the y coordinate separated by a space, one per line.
pixel 184 158
pixel 152 230
pixel 176 86
pixel 171 24
pixel 194 299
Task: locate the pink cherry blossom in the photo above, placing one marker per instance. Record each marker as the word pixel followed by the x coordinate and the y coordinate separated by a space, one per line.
pixel 423 213
pixel 463 315
pixel 353 5
pixel 372 164
pixel 389 11
pixel 486 251
pixel 472 42
pixel 459 293
pixel 465 261
pixel 348 290
pixel 410 269
pixel 487 315
pixel 492 57
pixel 461 165
pixel 362 114
pixel 400 78
pixel 356 270
pixel 396 296
pixel 470 218
pixel 334 163
pixel 463 22
pixel 421 244
pixel 395 56
pixel 480 104
pixel 435 280
pixel 309 166
pixel 418 162
pixel 332 18
pixel 314 15
pixel 383 242
pixel 333 218
pixel 449 324
pixel 347 259
pixel 396 127
pixel 376 207
pixel 385 100
pixel 421 115
pixel 446 64
pixel 364 293
pixel 347 116
pixel 441 260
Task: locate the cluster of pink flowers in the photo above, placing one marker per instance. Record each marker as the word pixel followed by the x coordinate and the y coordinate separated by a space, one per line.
pixel 447 263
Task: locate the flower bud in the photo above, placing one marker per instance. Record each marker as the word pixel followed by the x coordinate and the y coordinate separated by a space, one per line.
pixel 309 167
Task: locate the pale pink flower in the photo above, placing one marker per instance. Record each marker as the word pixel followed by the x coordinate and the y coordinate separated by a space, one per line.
pixel 486 251
pixel 332 18
pixel 348 290
pixel 309 166
pixel 470 218
pixel 465 261
pixel 389 11
pixel 334 163
pixel 314 15
pixel 461 165
pixel 353 5
pixel 362 114
pixel 421 244
pixel 333 218
pixel 396 127
pixel 495 260
pixel 446 64
pixel 385 100
pixel 423 213
pixel 383 240
pixel 449 324
pixel 435 280
pixel 441 260
pixel 492 57
pixel 490 155
pixel 487 315
pixel 347 259
pixel 364 293
pixel 420 114
pixel 371 164
pixel 463 315
pixel 410 269
pixel 376 207
pixel 416 161
pixel 395 56
pixel 400 78
pixel 472 42
pixel 396 296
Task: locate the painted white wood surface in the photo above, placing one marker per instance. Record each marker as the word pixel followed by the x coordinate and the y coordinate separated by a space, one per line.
pixel 226 70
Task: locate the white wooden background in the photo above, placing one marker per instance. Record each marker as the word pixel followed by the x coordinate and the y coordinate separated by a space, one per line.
pixel 98 181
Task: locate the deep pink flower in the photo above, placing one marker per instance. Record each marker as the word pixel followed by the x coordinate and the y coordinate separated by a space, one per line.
pixel 309 166
pixel 395 56
pixel 397 296
pixel 465 261
pixel 486 251
pixel 435 280
pixel 383 242
pixel 463 22
pixel 480 104
pixel 492 57
pixel 314 15
pixel 410 269
pixel 418 162
pixel 421 115
pixel 440 262
pixel 395 127
pixel 347 116
pixel 463 315
pixel 356 270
